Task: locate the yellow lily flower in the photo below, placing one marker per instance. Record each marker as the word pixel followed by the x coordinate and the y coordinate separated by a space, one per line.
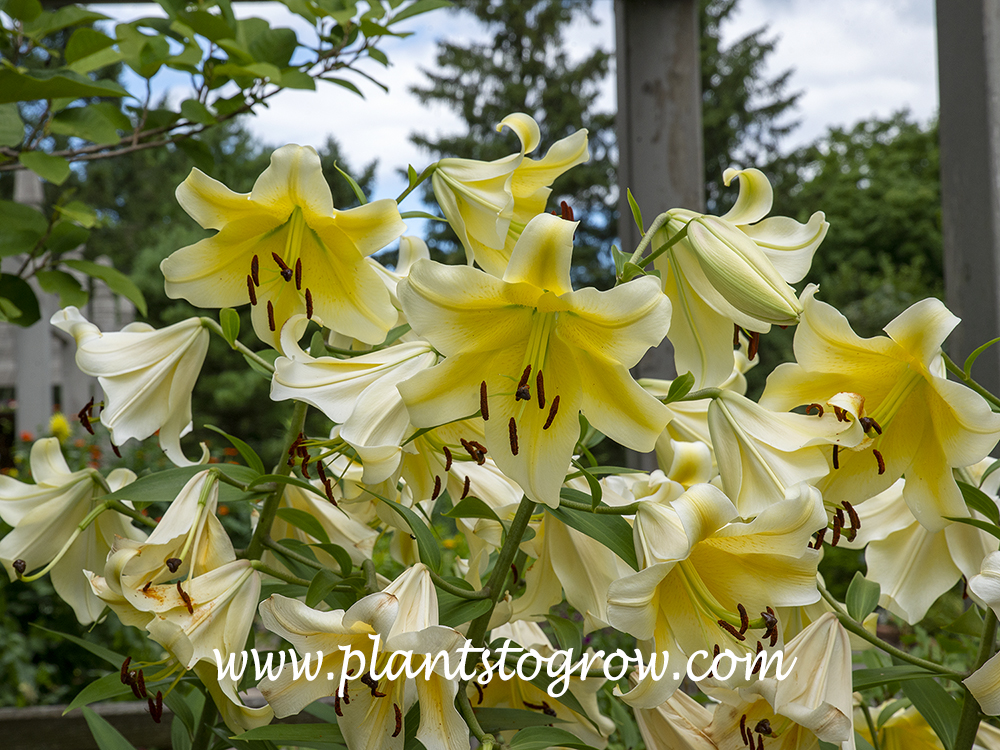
pixel 46 516
pixel 919 423
pixel 286 250
pixel 147 375
pixel 529 354
pixel 488 204
pixel 904 730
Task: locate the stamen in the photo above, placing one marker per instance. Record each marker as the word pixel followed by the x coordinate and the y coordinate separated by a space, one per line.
pixel 146 587
pixel 512 433
pixel 270 316
pixel 758 664
pixel 566 210
pixel 736 335
pixel 480 451
pixel 852 514
pixel 284 268
pixel 142 684
pixel 465 489
pixel 836 457
pixel 523 393
pixel 479 690
pixel 124 675
pixel 484 406
pixel 754 345
pixel 309 304
pixel 840 517
pixel 447 459
pixel 819 539
pixel 470 449
pixel 347 695
pixel 156 709
pixel 437 488
pixel 84 416
pixel 881 461
pixel 19 567
pixel 552 413
pixel 321 471
pixel 763 727
pixel 772 624
pixel 836 532
pixel 513 570
pixel 760 742
pixel 744 619
pixel 251 291
pixel 336 705
pixel 867 423
pixel 368 680
pixel 134 684
pixel 841 415
pixel 173 564
pixel 255 270
pixel 298 273
pixel 305 463
pixel 731 630
pixel 399 720
pixel 116 451
pixel 540 389
pixel 716 650
pixel 818 408
pixel 186 598
pixel 743 728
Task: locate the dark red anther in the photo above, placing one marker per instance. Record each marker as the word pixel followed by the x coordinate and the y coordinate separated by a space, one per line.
pixel 437 488
pixel 540 389
pixel 470 449
pixel 836 532
pixel 186 598
pixel 159 707
pixel 141 679
pixel 743 728
pixel 484 406
pixel 305 463
pixel 84 416
pixel 513 569
pixel 270 316
pixel 523 393
pixel 370 681
pixel 347 695
pixel 566 211
pixel 744 618
pixel 965 588
pixel 881 461
pixel 535 706
pixel 818 408
pixel 124 675
pixel 716 651
pixel 328 488
pixel 19 566
pixel 116 451
pixel 172 563
pixel 255 271
pixel 760 742
pixel 731 630
pixel 552 413
pixel 839 515
pixel 251 291
pixel 298 273
pixel 309 303
pixel 336 705
pixel 133 682
pixel 819 539
pixel 466 488
pixel 836 456
pixel 867 423
pixel 841 414
pixel 480 451
pixel 763 727
pixel 447 458
pixel 479 690
pixel 853 515
pixel 736 335
pixel 321 470
pixel 757 664
pixel 754 345
pixel 283 266
pixel 399 720
pixel 512 434
pixel 146 587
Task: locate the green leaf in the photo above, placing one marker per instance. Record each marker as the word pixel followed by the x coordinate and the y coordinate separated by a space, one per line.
pixel 345 83
pixel 341 555
pixel 305 521
pixel 986 526
pixel 610 530
pixel 970 622
pixel 117 282
pixel 596 491
pixel 543 738
pixel 862 597
pixel 936 705
pixel 865 679
pixel 628 732
pixel 102 689
pixel 362 199
pixel 111 657
pixel 212 27
pixel 890 709
pixel 421 6
pixel 568 633
pixel 79 212
pixel 292 78
pixel 22 296
pixel 979 501
pixel 23 10
pixel 290 734
pixel 269 355
pixel 180 737
pixel 68 288
pixel 11 126
pixel 198 153
pixel 636 212
pixel 21 227
pixel 395 334
pixel 860 743
pixel 430 552
pixel 69 15
pixel 280 479
pixel 971 359
pixel 498 719
pixel 620 260
pixel 455 610
pixel 472 507
pixel 248 454
pixel 229 319
pixel 88 123
pixel 164 486
pixel 39 84
pixel 65 236
pixel 421 215
pixel 197 112
pixel 679 387
pixel 321 585
pixel 631 271
pixel 55 169
pixel 85 42
pixel 992 467
pixel 105 735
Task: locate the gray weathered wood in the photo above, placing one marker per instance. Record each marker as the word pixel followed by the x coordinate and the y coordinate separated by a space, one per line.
pixel 660 151
pixel 969 82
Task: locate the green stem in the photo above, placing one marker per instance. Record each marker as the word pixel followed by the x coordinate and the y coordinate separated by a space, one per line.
pixel 658 222
pixel 206 722
pixel 495 585
pixel 959 373
pixel 701 394
pixel 664 247
pixel 271 503
pixel 280 549
pixel 871 725
pixel 371 580
pixel 486 741
pixel 131 513
pixel 968 723
pixel 607 510
pixel 420 178
pixel 226 479
pixel 854 627
pixel 286 577
pixel 247 352
pixel 454 590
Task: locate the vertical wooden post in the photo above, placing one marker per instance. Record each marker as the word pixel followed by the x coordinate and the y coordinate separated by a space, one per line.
pixel 969 83
pixel 660 151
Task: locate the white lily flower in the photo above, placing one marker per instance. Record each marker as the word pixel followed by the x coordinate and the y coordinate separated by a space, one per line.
pixel 147 375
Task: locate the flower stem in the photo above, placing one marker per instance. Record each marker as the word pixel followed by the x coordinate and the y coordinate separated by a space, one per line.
pixel 442 584
pixel 617 510
pixel 371 580
pixel 959 373
pixel 495 585
pixel 286 577
pixel 270 509
pixel 658 222
pixel 420 178
pixel 246 351
pixel 131 513
pixel 859 630
pixel 286 552
pixel 871 725
pixel 486 741
pixel 968 723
